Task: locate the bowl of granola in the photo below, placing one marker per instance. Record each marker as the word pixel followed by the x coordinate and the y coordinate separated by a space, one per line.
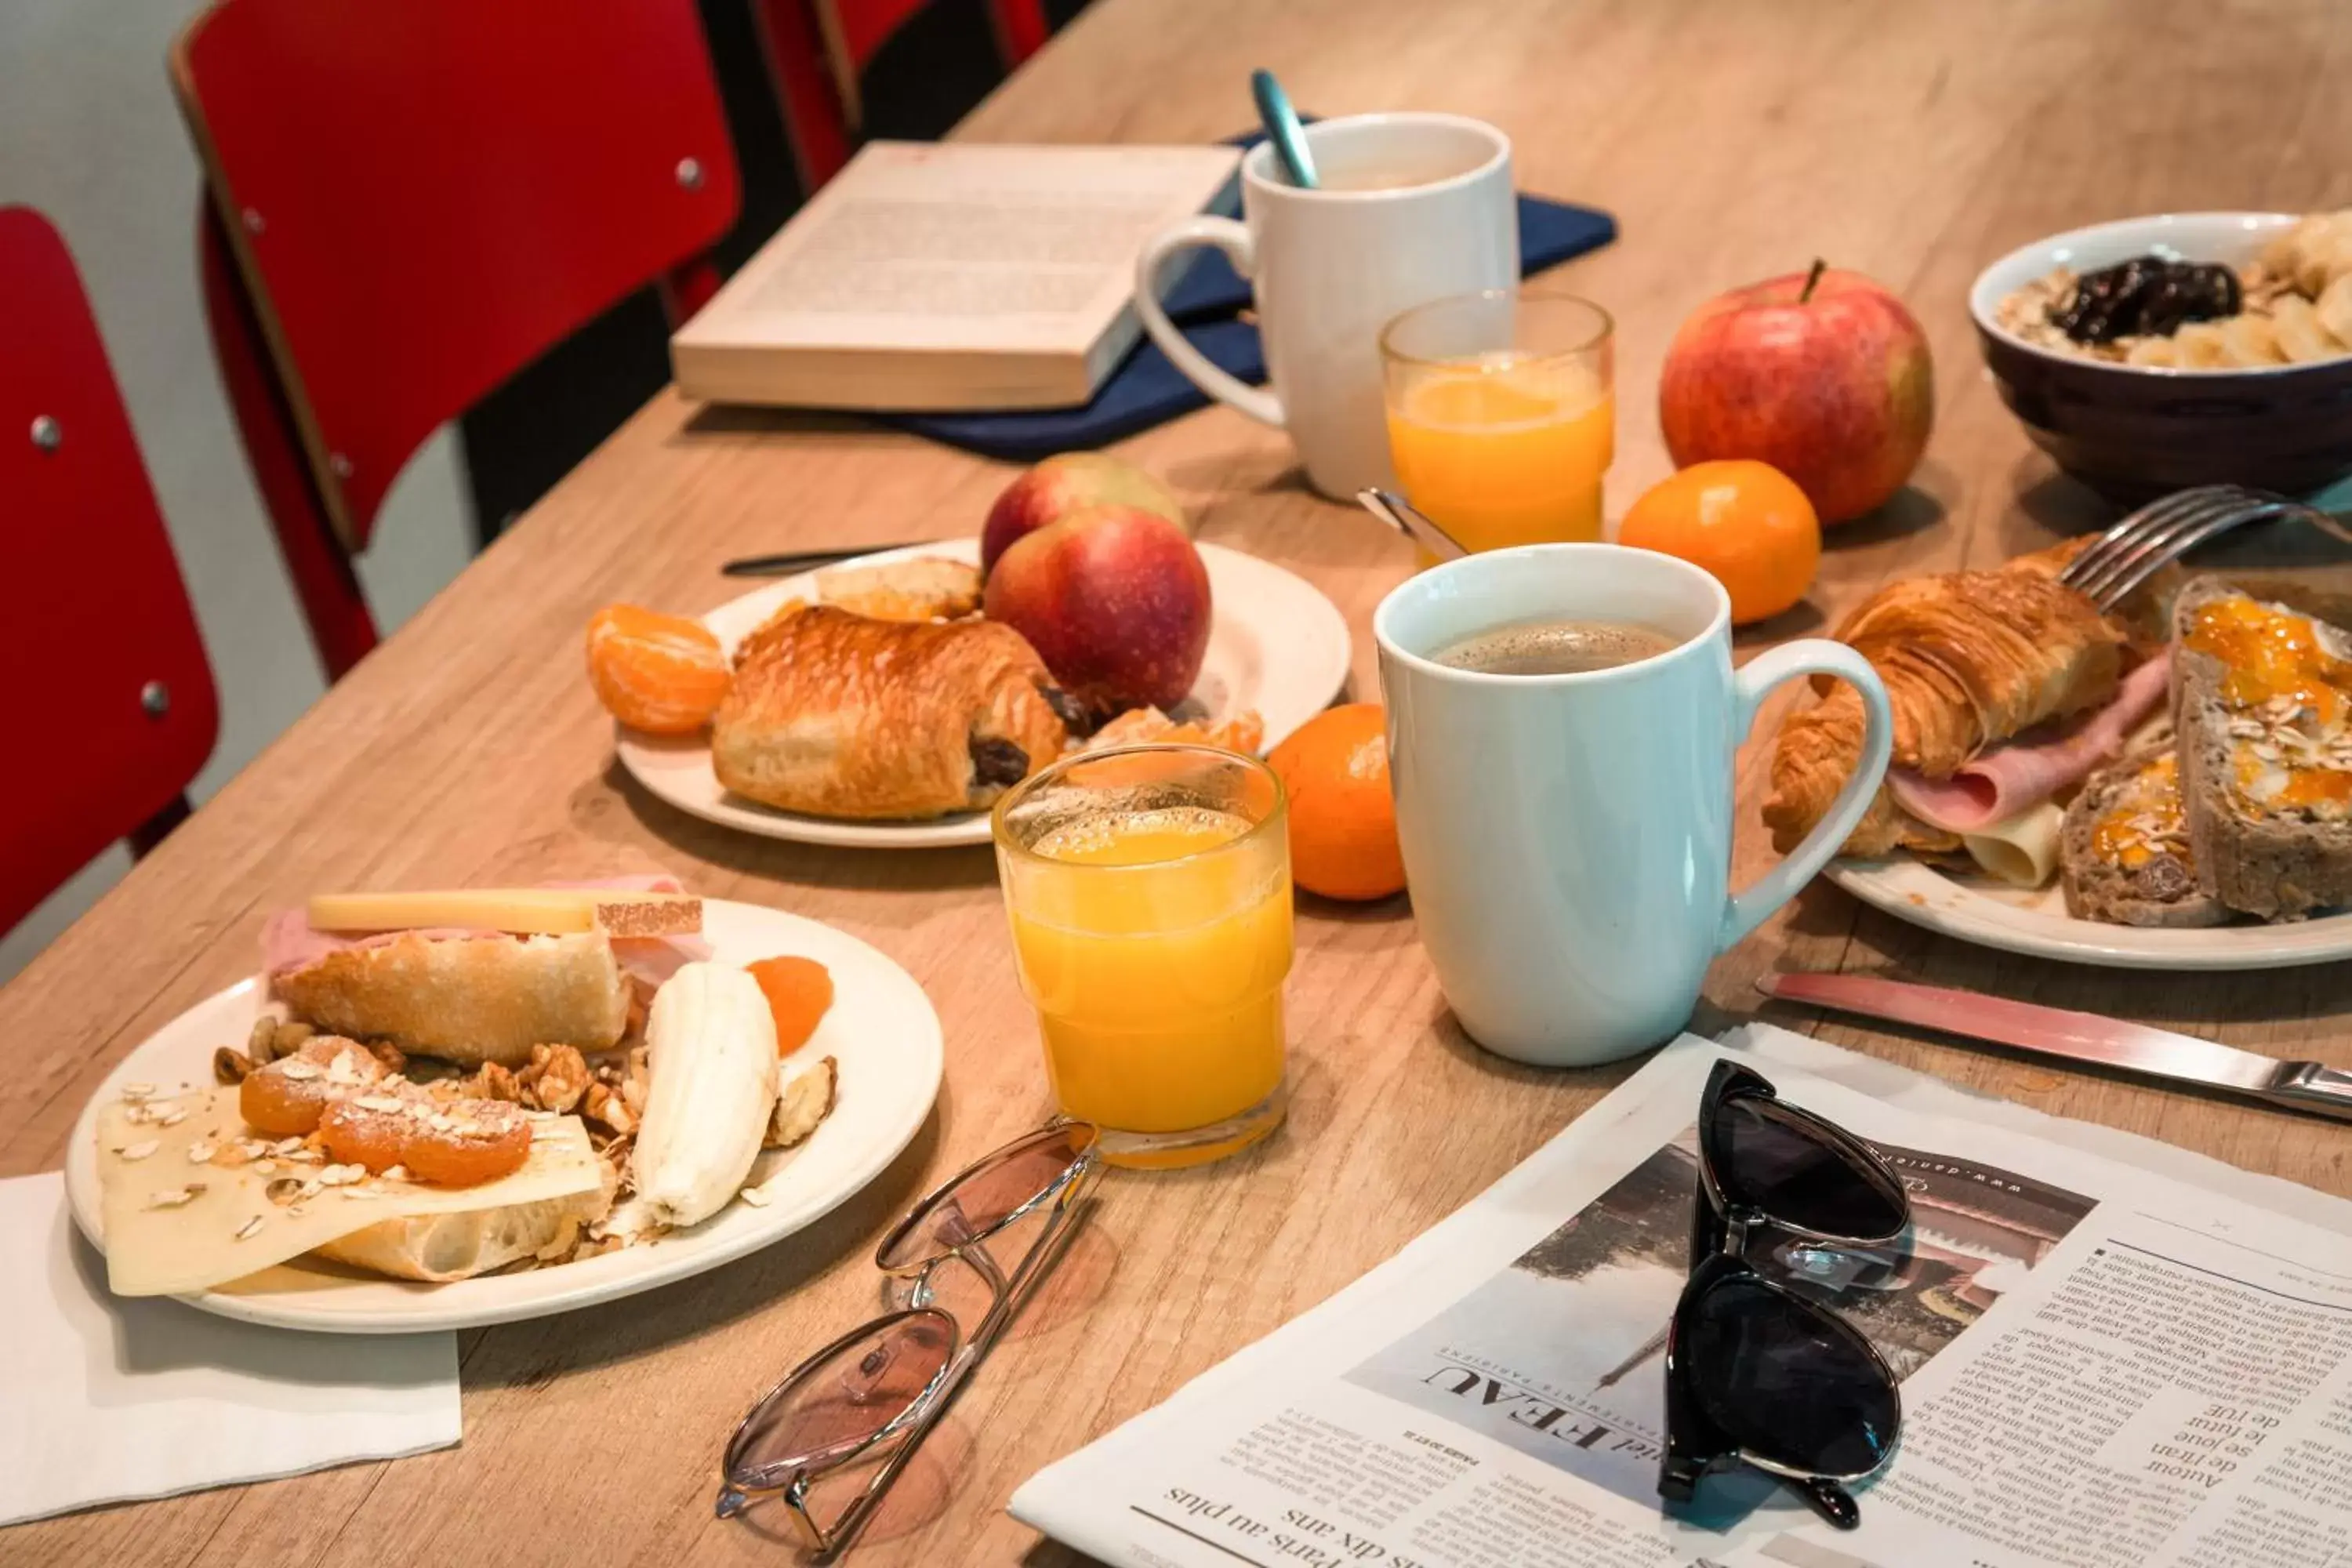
pixel 2155 354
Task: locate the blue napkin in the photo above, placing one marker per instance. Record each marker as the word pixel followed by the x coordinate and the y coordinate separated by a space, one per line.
pixel 1147 390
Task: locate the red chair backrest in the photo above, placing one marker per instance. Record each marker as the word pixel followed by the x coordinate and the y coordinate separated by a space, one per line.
pixel 424 195
pixel 98 631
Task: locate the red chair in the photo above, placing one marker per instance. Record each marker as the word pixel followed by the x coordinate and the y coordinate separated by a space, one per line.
pixel 410 201
pixel 817 49
pixel 110 699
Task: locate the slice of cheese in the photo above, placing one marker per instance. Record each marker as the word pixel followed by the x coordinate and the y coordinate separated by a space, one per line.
pixel 526 912
pixel 177 1219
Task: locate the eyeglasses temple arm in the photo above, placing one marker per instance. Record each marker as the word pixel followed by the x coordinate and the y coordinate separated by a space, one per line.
pixel 1008 1300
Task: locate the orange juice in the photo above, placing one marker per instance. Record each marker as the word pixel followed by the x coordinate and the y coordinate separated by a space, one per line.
pixel 1155 943
pixel 1506 449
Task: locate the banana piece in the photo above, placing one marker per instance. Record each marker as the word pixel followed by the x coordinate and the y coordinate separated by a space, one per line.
pixel 2250 339
pixel 2199 346
pixel 713 1062
pixel 2333 309
pixel 2300 336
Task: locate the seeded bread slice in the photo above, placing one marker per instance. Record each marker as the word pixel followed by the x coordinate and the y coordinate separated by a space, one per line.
pixel 2160 890
pixel 2278 866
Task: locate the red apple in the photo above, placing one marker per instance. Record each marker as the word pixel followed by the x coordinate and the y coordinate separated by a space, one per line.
pixel 1115 600
pixel 1064 484
pixel 1824 375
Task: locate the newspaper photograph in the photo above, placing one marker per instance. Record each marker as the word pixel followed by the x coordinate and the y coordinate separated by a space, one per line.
pixel 2106 1362
pixel 1560 1355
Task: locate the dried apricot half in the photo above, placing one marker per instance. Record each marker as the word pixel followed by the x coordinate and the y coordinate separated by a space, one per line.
pixel 286 1098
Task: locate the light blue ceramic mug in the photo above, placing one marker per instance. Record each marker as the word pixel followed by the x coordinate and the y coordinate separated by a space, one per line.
pixel 1568 836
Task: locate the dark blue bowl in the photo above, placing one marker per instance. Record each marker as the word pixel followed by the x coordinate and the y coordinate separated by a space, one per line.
pixel 2134 432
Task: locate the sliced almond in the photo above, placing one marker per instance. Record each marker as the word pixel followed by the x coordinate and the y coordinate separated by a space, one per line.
pixel 247 1229
pixel 141 1149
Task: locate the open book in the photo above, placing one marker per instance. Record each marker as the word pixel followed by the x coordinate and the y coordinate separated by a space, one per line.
pixel 948 276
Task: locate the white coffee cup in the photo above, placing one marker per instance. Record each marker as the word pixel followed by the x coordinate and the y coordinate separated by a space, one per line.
pixel 1568 838
pixel 1330 267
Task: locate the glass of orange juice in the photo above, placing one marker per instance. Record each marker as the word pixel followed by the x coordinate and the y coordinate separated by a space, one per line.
pixel 1150 894
pixel 1503 415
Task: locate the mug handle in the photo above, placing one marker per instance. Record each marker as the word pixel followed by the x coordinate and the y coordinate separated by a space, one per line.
pixel 1234 240
pixel 1750 686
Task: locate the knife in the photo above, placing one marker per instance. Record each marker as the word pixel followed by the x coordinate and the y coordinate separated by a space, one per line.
pixel 808 560
pixel 2076 1037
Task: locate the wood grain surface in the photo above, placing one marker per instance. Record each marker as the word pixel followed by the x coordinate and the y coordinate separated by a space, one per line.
pixel 1912 143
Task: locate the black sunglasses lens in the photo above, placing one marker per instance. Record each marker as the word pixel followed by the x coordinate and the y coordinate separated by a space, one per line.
pixel 1787 1381
pixel 1770 1157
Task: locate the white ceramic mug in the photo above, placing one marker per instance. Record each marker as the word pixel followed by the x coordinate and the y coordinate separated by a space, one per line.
pixel 1331 266
pixel 1568 838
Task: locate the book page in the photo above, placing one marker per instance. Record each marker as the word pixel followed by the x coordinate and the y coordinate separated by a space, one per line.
pixel 943 247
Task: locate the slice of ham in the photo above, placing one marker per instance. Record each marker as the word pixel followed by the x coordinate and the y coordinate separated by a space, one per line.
pixel 1997 785
pixel 289 941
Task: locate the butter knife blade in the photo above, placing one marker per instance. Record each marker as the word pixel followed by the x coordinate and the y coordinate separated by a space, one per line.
pixel 2075 1037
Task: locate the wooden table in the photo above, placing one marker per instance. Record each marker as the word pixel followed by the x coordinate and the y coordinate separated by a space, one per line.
pixel 1912 143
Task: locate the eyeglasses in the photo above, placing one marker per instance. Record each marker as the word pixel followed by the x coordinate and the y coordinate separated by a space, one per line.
pixel 876 1391
pixel 1756 1373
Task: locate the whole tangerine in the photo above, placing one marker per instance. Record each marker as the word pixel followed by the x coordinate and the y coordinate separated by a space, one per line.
pixel 1745 522
pixel 1343 832
pixel 662 674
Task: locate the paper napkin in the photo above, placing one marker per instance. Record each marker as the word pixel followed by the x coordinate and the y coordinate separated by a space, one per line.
pixel 105 1399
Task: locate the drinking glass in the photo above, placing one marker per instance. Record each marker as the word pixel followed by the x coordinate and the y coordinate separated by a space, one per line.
pixel 1501 414
pixel 1149 889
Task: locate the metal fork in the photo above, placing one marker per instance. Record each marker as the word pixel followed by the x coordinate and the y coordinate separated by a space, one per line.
pixel 2131 551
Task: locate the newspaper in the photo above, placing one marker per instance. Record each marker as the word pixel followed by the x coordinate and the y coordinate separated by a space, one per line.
pixel 2113 1354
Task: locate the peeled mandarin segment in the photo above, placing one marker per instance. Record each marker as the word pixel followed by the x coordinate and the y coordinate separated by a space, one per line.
pixel 798 993
pixel 662 674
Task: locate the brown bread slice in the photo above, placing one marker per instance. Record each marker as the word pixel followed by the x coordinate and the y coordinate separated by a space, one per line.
pixel 2161 890
pixel 2279 866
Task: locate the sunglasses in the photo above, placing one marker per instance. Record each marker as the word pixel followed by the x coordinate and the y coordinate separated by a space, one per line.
pixel 872 1395
pixel 1756 1374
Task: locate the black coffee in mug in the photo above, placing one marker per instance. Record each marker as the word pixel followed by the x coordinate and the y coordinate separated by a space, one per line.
pixel 1555 647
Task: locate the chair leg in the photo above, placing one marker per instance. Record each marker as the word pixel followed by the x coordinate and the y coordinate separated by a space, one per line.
pixel 329 590
pixel 816 122
pixel 156 828
pixel 1021 29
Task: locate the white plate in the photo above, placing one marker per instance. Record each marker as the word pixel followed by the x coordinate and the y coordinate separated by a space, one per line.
pixel 881 1032
pixel 1980 909
pixel 1277 644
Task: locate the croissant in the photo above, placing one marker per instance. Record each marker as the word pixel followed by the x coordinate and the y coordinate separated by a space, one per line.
pixel 836 714
pixel 1968 659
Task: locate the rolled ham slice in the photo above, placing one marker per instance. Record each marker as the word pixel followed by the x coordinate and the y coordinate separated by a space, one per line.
pixel 1997 785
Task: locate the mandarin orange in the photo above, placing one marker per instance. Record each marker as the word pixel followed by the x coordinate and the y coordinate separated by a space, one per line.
pixel 1343 834
pixel 1745 522
pixel 662 674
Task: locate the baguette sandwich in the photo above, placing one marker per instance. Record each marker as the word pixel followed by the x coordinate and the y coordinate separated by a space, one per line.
pixel 2263 711
pixel 480 976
